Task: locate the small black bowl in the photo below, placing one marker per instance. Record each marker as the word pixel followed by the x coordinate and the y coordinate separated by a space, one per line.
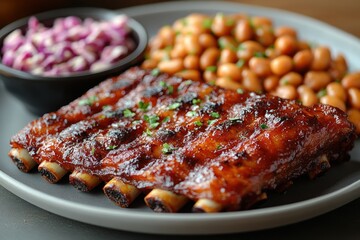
pixel 42 94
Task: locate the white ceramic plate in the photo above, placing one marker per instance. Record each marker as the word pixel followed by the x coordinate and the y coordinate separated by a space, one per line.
pixel 304 200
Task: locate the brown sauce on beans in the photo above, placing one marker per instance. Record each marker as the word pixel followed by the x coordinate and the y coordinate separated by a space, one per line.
pixel 249 52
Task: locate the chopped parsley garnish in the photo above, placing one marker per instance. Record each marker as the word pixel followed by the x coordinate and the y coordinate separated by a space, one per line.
pixel 155 72
pixel 218 147
pixel 240 63
pixel 153 120
pixel 167 148
pixel 212 121
pixel 112 147
pixel 211 83
pixel 234 119
pixel 264 126
pixel 128 113
pixel 184 21
pixel 321 93
pixel 148 132
pixel 225 44
pixel 166 119
pixel 215 115
pixel 92 151
pixel 88 101
pixel 260 55
pixel 169 88
pixel 191 114
pixel 207 23
pixel 241 47
pixel 143 106
pixel 251 22
pixel 198 123
pixel 230 22
pixel 196 101
pixel 211 68
pixel 174 105
pixel 240 91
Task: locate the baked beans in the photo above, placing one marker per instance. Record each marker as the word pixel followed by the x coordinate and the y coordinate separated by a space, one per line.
pixel 249 52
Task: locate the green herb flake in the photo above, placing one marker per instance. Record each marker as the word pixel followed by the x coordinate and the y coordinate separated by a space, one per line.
pixel 215 115
pixel 230 22
pixel 191 114
pixel 143 106
pixel 169 88
pixel 207 23
pixel 218 147
pixel 222 43
pixel 167 148
pixel 210 122
pixel 168 48
pixel 155 72
pixel 166 119
pixel 211 68
pixel 174 106
pixel 211 83
pixel 196 101
pixel 263 126
pixel 92 151
pixel 260 55
pixel 240 91
pixel 240 63
pixel 162 84
pixel 148 132
pixel 88 101
pixel 128 113
pixel 251 22
pixel 184 22
pixel 321 93
pixel 285 81
pixel 234 119
pixel 153 120
pixel 241 47
pixel 198 123
pixel 112 147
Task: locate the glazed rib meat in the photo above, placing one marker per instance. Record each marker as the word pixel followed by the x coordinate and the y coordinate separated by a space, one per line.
pixel 199 141
pixel 93 101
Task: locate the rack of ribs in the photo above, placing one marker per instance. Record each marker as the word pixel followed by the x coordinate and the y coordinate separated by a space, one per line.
pixel 178 140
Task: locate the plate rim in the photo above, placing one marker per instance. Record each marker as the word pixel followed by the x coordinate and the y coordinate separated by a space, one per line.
pixel 51 203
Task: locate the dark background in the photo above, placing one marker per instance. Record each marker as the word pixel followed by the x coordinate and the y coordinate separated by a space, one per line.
pixel 344 14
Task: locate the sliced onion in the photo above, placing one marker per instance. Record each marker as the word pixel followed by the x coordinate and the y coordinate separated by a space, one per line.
pixel 70 45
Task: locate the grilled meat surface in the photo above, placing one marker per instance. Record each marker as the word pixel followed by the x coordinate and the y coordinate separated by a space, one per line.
pixel 191 138
pixel 107 93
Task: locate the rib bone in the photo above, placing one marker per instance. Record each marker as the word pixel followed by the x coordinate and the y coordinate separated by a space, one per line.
pixel 51 171
pixel 165 201
pixel 120 193
pixel 22 159
pixel 83 181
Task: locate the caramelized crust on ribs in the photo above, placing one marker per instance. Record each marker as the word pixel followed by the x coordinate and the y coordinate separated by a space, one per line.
pixel 107 93
pixel 193 139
